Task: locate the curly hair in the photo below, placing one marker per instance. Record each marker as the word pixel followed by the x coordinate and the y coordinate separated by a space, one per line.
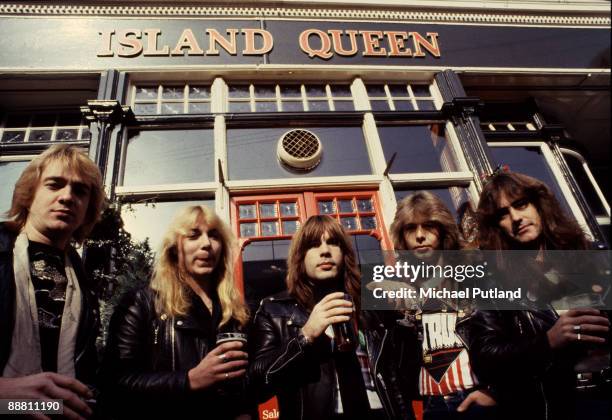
pixel 28 183
pixel 559 230
pixel 430 207
pixel 310 233
pixel 169 278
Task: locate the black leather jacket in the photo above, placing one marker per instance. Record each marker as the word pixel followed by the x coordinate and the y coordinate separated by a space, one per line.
pixel 509 350
pixel 147 359
pixel 301 374
pixel 86 358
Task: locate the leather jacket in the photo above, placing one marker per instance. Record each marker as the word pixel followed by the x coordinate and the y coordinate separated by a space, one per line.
pixel 86 357
pixel 509 350
pixel 145 368
pixel 301 374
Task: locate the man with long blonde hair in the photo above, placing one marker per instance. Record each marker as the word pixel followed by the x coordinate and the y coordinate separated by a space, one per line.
pixel 48 316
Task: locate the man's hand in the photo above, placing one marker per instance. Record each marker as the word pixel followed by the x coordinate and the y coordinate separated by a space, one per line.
pixel 46 386
pixel 587 325
pixel 481 398
pixel 332 309
pixel 225 361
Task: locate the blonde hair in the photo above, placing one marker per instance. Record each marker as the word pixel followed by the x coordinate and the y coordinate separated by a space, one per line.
pixel 169 278
pixel 29 181
pixel 430 207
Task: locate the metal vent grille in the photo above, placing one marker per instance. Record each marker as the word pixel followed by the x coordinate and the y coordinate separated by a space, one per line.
pixel 300 149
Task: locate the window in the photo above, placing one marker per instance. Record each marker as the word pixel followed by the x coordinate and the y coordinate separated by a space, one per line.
pixel 43 127
pixel 168 99
pixel 9 173
pixel 454 197
pixel 169 156
pixel 400 97
pixel 289 98
pixel 588 186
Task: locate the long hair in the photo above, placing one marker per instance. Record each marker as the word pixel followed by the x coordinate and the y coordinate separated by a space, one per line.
pixel 558 229
pixel 169 277
pixel 29 182
pixel 309 234
pixel 427 206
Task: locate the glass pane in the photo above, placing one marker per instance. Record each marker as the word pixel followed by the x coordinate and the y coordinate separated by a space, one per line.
pixel 367 248
pixel 9 173
pixel 269 228
pixel 326 207
pixel 421 90
pixel 240 107
pixel 266 106
pixel 291 91
pixel 169 156
pixel 13 136
pixel 380 106
pixel 248 229
pixel 146 92
pixel 145 109
pixel 398 90
pixel 318 106
pixel 426 105
pixel 530 161
pixel 419 148
pixel 586 186
pixel 453 197
pixel 239 91
pixel 343 91
pixel 199 92
pixel 267 210
pixel 66 134
pixel 315 90
pixel 403 105
pixel 288 209
pixel 17 120
pixel 246 211
pixel 293 106
pixel 151 220
pixel 349 223
pixel 199 108
pixel 252 153
pixel 69 119
pixel 172 108
pixel 173 92
pixel 265 91
pixel 264 270
pixel 368 222
pixel 345 206
pixel 344 106
pixel 290 227
pixel 376 90
pixel 40 135
pixel 85 134
pixel 43 120
pixel 365 205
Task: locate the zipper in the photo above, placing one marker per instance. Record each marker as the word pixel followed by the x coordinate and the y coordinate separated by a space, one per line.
pixel 156 335
pixel 172 340
pixel 380 377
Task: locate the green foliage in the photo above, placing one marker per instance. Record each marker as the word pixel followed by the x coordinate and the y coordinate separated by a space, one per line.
pixel 116 263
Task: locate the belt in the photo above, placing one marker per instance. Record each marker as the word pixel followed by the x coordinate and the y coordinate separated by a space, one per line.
pixel 586 381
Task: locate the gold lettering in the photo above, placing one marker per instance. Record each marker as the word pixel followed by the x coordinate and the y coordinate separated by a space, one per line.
pixel 337 40
pixel 187 40
pixel 432 47
pixel 323 52
pixel 130 47
pixel 216 38
pixel 372 44
pixel 106 43
pixel 397 45
pixel 151 50
pixel 249 41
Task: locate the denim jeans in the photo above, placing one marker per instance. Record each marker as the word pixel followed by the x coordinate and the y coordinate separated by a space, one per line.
pixel 445 408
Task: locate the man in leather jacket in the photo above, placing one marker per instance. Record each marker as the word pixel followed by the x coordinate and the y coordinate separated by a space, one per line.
pixel 293 356
pixel 528 356
pixel 49 311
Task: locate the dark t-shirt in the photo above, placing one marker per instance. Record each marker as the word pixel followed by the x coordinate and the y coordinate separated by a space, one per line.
pixel 48 272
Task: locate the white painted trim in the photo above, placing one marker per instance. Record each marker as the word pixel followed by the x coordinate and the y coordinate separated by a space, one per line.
pixel 164 189
pixel 17 158
pixel 353 181
pixel 603 220
pixel 433 178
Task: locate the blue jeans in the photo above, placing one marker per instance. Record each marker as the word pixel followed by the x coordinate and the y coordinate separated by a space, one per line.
pixel 445 408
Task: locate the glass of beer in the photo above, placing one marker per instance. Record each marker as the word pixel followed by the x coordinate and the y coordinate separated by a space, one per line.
pixel 345 338
pixel 234 386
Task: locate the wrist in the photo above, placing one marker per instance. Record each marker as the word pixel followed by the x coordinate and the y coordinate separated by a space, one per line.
pixel 306 337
